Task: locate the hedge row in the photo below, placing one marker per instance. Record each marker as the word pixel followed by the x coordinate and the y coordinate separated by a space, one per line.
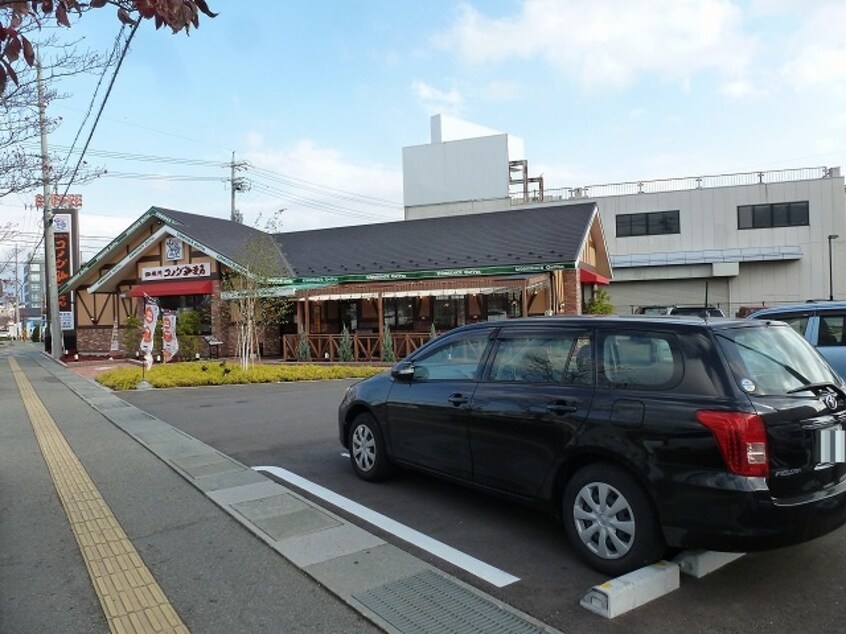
pixel 194 374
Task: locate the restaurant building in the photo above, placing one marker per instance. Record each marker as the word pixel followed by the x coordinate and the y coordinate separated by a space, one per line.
pixel 408 276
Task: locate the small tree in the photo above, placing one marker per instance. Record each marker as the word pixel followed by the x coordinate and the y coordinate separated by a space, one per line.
pixel 433 334
pixel 388 355
pixel 250 287
pixel 345 348
pixel 36 334
pixel 303 349
pixel 599 304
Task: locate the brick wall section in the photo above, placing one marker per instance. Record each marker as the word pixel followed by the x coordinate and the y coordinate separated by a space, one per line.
pixel 572 293
pixel 96 340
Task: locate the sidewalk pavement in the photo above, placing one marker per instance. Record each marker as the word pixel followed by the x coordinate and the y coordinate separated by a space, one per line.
pixel 230 549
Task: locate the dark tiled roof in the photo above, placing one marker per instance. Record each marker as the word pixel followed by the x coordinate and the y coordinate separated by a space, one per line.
pixel 530 236
pixel 223 236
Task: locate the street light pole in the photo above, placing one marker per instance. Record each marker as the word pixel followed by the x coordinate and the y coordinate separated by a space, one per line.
pixel 832 236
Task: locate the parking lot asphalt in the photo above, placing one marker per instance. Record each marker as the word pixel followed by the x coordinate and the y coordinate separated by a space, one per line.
pixel 111 519
pixel 234 550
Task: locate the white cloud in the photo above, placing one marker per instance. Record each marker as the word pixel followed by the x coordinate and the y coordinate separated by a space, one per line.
pixel 317 187
pixel 254 140
pixel 609 44
pixel 435 100
pixel 817 51
pixel 740 89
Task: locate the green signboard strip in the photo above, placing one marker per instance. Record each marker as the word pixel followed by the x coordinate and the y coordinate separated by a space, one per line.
pixel 401 276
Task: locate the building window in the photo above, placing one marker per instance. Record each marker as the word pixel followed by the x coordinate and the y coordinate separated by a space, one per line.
pixel 772 215
pixel 648 224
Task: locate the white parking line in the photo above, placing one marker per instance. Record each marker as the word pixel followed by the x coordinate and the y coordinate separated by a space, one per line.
pixel 480 569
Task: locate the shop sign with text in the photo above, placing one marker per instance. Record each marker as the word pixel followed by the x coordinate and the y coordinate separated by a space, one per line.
pixel 175 272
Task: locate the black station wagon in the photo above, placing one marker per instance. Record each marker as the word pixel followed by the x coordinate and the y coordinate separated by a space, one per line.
pixel 640 433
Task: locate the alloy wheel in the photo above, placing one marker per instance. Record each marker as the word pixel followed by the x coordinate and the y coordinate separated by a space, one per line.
pixel 604 520
pixel 364 447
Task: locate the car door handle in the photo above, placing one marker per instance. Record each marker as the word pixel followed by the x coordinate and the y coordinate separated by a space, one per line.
pixel 566 407
pixel 458 399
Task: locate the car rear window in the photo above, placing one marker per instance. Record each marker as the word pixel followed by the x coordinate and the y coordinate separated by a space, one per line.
pixel 773 359
pixel 643 360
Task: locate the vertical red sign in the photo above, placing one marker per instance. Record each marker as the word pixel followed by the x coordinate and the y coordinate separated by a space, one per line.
pixel 63 267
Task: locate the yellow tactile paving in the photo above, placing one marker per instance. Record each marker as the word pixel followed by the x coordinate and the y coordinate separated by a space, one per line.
pixel 132 600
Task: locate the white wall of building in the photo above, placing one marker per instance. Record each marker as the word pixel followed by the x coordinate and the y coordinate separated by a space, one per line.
pixel 743 267
pixel 471 169
pixel 462 162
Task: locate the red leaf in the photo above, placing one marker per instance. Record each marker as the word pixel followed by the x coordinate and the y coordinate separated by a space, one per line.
pixel 46 6
pixel 62 15
pixel 13 49
pixel 28 51
pixel 11 72
pixel 159 22
pixel 98 4
pixel 202 6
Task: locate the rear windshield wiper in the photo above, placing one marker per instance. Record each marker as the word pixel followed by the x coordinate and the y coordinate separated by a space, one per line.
pixel 813 387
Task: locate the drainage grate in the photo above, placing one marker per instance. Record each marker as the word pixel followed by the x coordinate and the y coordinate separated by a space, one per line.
pixel 428 603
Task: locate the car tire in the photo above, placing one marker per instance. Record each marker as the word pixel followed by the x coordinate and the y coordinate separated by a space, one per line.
pixel 616 542
pixel 367 449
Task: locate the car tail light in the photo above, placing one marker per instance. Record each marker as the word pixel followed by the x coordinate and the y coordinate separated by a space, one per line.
pixel 742 439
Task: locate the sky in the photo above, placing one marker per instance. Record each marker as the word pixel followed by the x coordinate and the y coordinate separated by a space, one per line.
pixel 319 98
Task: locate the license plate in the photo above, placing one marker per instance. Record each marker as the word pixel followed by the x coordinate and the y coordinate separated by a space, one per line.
pixel 831 446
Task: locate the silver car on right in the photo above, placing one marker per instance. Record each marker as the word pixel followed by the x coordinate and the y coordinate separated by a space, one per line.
pixel 822 323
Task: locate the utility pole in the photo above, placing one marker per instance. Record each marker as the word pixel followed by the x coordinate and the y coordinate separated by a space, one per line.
pixel 56 337
pixel 236 184
pixel 17 298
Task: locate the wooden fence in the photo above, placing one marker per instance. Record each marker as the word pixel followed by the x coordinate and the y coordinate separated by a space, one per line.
pixel 365 347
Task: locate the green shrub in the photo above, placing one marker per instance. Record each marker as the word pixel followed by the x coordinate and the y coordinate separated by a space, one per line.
pixel 36 334
pixel 599 304
pixel 388 355
pixel 345 348
pixel 131 335
pixel 187 333
pixel 433 334
pixel 303 349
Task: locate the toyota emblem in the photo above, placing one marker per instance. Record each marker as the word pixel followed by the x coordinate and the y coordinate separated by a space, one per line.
pixel 830 401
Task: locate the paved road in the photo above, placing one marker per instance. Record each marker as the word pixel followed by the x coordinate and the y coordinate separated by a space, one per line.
pixel 294 426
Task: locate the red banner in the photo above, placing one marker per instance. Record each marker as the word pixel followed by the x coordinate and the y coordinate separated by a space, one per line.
pixel 63 267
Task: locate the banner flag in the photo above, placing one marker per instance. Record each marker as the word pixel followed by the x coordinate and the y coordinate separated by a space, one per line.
pixel 170 344
pixel 151 316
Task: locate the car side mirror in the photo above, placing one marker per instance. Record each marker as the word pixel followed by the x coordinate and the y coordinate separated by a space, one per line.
pixel 403 370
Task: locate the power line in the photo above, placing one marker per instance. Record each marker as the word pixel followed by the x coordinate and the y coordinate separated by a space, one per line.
pixel 162 177
pixel 103 104
pixel 108 63
pixel 257 173
pixel 316 204
pixel 326 190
